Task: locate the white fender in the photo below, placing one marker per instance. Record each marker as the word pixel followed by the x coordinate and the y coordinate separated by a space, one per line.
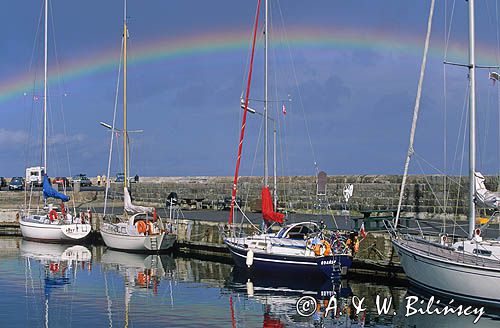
pixel 249 260
pixel 477 235
pixel 249 288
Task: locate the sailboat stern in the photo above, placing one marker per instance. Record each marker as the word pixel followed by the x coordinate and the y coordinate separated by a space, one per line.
pixel 327 266
pixel 159 242
pixel 334 266
pixel 76 231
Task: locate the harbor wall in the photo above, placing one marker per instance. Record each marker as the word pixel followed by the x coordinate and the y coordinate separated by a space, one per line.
pixel 424 195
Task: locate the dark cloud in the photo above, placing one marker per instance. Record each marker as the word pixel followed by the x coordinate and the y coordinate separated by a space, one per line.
pixel 354 105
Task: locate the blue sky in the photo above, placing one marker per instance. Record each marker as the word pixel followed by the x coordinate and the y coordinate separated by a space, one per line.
pixel 357 102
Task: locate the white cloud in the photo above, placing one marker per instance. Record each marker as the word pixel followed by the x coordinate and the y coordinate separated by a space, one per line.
pixel 61 139
pixel 12 138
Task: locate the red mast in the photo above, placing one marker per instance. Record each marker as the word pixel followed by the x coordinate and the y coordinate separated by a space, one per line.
pixel 244 120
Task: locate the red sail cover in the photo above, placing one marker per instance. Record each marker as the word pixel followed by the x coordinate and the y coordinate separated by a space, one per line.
pixel 268 212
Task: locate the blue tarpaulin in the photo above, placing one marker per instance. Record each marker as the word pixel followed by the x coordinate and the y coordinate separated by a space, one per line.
pixel 49 192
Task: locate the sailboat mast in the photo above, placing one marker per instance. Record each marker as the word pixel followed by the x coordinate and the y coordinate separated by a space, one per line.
pixel 472 120
pixel 125 136
pixel 45 89
pixel 266 169
pixel 275 193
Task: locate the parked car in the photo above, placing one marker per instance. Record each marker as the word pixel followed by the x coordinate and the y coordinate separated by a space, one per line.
pixel 63 181
pixel 83 179
pixel 227 202
pixel 120 177
pixel 16 183
pixel 3 182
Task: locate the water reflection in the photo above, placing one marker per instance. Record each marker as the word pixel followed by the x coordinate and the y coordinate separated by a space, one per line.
pixel 142 274
pixel 333 299
pixel 59 264
pixel 427 303
pixel 140 271
pixel 64 286
pixel 279 295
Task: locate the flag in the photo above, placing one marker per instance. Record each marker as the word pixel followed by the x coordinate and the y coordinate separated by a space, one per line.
pixel 283 109
pixel 362 231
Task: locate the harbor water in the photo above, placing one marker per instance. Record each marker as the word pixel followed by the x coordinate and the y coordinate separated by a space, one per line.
pixel 51 285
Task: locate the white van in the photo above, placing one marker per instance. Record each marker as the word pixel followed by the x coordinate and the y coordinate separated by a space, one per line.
pixel 34 175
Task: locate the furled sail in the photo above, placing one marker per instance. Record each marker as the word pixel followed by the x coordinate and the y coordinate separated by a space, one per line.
pixel 268 212
pixel 484 197
pixel 129 207
pixel 49 192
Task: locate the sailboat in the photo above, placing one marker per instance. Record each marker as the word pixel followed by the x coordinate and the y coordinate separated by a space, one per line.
pixel 142 230
pixel 468 269
pixel 300 248
pixel 49 223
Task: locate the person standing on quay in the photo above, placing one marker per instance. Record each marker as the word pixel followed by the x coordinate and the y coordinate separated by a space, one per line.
pixel 98 180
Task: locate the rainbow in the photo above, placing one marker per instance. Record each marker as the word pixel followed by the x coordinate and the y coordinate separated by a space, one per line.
pixel 224 42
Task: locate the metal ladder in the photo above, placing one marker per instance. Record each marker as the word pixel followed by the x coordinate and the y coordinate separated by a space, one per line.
pixel 154 244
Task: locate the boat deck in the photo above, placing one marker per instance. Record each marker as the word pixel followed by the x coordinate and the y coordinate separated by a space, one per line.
pixel 447 253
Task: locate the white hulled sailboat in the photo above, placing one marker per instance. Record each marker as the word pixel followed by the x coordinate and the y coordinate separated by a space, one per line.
pixel 300 248
pixel 141 229
pixel 49 223
pixel 469 269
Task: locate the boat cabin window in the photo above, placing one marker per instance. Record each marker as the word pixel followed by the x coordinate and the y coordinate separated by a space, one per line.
pixel 281 232
pixel 301 231
pixel 483 252
pixel 142 217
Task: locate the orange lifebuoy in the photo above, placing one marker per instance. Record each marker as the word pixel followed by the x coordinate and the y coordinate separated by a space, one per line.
pixel 52 215
pixel 141 227
pixel 322 248
pixel 328 248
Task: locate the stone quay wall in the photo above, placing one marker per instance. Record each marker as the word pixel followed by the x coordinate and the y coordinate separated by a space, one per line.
pixel 424 195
